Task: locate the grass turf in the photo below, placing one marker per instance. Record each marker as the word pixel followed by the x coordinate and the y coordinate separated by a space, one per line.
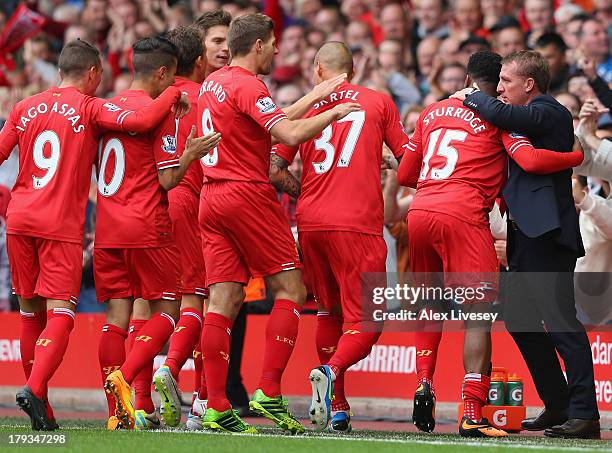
pixel 90 437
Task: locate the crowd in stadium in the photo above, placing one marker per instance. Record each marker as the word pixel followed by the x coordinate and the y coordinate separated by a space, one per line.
pixel 417 52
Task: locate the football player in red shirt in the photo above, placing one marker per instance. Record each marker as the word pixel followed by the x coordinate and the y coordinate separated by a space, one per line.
pixel 183 208
pixel 213 27
pixel 340 225
pixel 456 160
pixel 258 241
pixel 135 255
pixel 183 205
pixel 57 133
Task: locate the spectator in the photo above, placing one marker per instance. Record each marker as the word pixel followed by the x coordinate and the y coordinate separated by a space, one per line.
pixel 597 152
pixel 508 38
pixel 572 103
pixel 449 49
pixel 432 18
pixel 571 37
pixel 239 8
pixel 592 278
pixel 466 19
pixel 288 94
pixel 427 52
pixel 358 36
pixel 122 83
pixel 448 79
pixel 329 20
pixel 396 24
pixel 95 19
pixel 595 44
pixel 353 10
pixel 578 85
pixel 494 10
pixel 539 16
pixel 603 12
pixel 402 89
pixel 552 48
pixel 410 118
pixel 180 15
pixel 599 86
pixel 292 44
pixel 66 13
pixel 564 14
pixel 79 32
pixel 307 10
pixel 471 45
pixel 316 38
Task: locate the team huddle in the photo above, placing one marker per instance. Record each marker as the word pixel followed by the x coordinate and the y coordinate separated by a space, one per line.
pixel 188 162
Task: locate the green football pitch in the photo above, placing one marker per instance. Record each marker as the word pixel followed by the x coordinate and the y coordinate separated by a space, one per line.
pixel 88 437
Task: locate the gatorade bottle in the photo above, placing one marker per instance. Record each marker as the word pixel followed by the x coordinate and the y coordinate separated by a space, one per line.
pixel 515 390
pixel 496 390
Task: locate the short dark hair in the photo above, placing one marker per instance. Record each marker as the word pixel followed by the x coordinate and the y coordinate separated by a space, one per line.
pixel 588 19
pixel 212 19
pixel 505 22
pixel 150 54
pixel 78 57
pixel 189 45
pixel 244 31
pixel 531 64
pixel 582 17
pixel 474 39
pixel 551 38
pixel 484 66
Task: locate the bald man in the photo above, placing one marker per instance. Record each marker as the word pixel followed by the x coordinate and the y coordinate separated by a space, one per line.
pixel 340 225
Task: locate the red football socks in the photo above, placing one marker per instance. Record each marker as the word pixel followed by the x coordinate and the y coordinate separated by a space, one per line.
pixel 183 340
pixel 355 344
pixel 147 344
pixel 32 325
pixel 111 355
pixel 281 333
pixel 329 331
pixel 215 356
pixel 427 341
pixel 475 391
pixel 50 348
pixel 199 371
pixel 142 381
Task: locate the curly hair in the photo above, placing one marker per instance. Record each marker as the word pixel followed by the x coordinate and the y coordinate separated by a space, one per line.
pixel 484 66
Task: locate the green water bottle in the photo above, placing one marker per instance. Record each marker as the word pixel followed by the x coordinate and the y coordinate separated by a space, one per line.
pixel 497 391
pixel 515 390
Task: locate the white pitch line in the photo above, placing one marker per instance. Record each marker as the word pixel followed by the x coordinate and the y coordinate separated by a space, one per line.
pixel 467 443
pixel 316 436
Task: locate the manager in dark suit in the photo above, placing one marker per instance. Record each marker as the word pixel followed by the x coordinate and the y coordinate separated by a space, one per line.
pixel 543 238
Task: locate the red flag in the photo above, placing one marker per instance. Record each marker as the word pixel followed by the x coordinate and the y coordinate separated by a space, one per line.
pixel 22 25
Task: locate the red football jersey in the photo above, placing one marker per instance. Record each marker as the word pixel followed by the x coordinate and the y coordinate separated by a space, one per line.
pixel 459 160
pixel 341 187
pixel 236 103
pixel 182 128
pixel 132 209
pixel 57 132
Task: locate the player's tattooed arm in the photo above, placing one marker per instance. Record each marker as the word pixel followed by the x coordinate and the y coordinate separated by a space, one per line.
pixel 281 177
